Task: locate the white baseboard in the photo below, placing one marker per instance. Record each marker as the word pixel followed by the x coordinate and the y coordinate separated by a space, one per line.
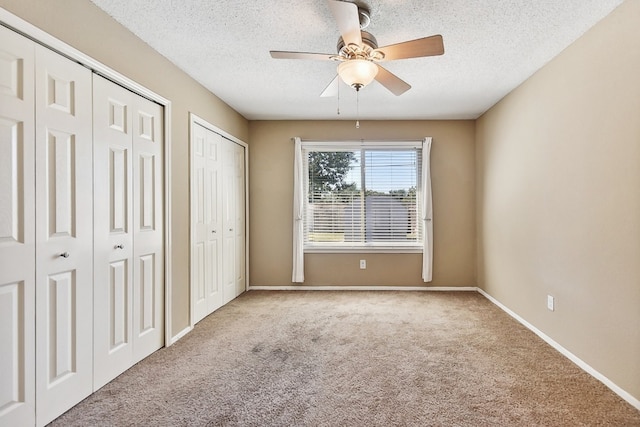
pixel 362 288
pixel 179 335
pixel 575 359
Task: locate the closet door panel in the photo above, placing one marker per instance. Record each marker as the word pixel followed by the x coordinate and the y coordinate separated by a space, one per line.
pixel 206 221
pixel 240 224
pixel 64 234
pixel 229 222
pixel 113 231
pixel 199 229
pixel 17 230
pixel 148 277
pixel 214 167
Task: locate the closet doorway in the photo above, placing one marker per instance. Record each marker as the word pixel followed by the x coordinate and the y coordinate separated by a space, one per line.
pixel 50 245
pixel 219 234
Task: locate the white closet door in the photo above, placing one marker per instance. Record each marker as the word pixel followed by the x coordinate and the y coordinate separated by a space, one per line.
pixel 113 230
pixel 128 221
pixel 148 265
pixel 240 223
pixel 218 235
pixel 17 230
pixel 206 220
pixel 64 235
pixel 199 228
pixel 229 206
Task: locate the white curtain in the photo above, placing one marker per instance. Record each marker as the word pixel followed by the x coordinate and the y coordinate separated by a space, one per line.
pixel 298 211
pixel 427 212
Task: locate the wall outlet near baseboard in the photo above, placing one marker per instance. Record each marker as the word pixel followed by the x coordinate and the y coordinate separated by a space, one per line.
pixel 551 302
pixel 363 264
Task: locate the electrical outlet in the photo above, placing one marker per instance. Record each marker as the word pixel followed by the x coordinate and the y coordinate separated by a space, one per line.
pixel 551 302
pixel 363 264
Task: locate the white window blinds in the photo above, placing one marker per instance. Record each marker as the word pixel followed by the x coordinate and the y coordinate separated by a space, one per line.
pixel 363 195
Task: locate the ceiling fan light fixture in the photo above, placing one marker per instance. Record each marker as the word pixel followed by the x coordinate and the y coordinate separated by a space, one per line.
pixel 357 73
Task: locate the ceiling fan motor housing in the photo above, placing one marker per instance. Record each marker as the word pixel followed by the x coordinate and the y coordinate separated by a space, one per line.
pixel 369 44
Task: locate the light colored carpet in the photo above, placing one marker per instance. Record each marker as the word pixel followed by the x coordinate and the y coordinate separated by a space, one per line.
pixel 355 359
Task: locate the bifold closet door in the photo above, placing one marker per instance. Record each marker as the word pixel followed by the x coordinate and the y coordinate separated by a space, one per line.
pixel 148 227
pixel 64 235
pixel 233 219
pixel 206 220
pixel 17 230
pixel 217 221
pixel 240 218
pixel 128 239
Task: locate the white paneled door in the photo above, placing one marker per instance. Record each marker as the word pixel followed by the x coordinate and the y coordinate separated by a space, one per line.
pixel 148 226
pixel 113 219
pixel 64 234
pixel 239 227
pixel 218 215
pixel 206 220
pixel 228 201
pixel 17 230
pixel 128 239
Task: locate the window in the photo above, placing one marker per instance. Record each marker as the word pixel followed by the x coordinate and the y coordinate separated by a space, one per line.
pixel 362 197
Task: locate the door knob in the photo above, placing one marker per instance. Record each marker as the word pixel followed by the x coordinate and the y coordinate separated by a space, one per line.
pixel 120 246
pixel 64 254
pixel 213 231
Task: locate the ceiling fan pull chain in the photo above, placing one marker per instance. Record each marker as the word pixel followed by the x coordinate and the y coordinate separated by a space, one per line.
pixel 357 109
pixel 338 96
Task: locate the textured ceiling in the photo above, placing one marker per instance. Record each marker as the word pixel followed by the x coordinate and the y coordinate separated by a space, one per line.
pixel 491 46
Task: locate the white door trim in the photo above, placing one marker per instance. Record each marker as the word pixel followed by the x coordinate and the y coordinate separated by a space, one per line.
pixel 36 34
pixel 197 120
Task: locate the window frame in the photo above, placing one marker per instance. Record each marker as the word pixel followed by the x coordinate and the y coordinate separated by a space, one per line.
pixel 416 247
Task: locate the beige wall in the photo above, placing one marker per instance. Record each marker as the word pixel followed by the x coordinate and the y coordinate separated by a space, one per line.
pixel 82 25
pixel 271 200
pixel 558 191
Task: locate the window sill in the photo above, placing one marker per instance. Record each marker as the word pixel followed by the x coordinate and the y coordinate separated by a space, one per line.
pixel 363 250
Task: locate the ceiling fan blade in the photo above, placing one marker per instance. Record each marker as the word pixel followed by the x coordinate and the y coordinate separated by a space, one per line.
pixel 392 82
pixel 332 88
pixel 346 15
pixel 277 54
pixel 426 46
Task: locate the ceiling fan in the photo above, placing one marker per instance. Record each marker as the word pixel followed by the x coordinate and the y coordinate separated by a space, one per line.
pixel 359 54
